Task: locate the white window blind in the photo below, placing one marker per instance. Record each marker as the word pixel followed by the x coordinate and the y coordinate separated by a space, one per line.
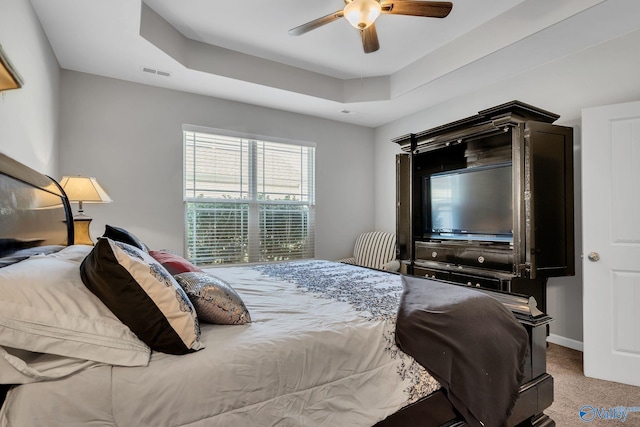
pixel 247 200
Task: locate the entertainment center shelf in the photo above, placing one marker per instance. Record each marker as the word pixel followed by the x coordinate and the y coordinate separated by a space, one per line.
pixel 487 201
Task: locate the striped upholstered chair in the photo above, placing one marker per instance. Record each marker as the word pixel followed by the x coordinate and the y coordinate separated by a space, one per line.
pixel 375 249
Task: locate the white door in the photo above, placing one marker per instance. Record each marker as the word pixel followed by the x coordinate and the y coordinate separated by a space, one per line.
pixel 611 241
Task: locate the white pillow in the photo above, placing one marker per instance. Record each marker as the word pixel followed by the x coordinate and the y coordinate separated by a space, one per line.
pixel 45 308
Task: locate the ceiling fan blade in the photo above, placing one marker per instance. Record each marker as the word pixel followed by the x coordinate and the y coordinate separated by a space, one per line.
pixel 370 39
pixel 312 25
pixel 431 9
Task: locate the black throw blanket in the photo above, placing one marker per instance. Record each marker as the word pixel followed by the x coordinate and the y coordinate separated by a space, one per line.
pixel 469 342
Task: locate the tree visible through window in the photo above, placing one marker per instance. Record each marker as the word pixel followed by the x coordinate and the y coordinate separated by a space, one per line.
pixel 247 200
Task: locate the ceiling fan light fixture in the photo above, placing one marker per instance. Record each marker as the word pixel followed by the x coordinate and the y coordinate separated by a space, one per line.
pixel 362 13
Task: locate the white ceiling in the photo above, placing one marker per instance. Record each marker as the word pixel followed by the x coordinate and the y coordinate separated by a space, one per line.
pixel 240 50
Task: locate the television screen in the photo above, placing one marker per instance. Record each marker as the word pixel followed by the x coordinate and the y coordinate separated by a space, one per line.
pixel 468 202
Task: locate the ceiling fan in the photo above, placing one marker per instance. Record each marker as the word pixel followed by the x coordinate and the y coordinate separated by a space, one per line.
pixel 362 15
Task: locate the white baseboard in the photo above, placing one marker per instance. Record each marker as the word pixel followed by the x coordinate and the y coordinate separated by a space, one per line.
pixel 565 342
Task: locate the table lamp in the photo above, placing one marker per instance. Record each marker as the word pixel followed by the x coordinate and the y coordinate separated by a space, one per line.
pixel 83 189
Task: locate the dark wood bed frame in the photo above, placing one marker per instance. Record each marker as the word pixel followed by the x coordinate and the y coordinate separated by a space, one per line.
pixel 34 211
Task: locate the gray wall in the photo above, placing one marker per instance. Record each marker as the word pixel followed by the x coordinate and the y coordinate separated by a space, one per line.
pixel 29 116
pixel 129 136
pixel 604 74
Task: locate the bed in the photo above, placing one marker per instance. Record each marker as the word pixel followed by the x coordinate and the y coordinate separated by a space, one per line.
pixel 301 343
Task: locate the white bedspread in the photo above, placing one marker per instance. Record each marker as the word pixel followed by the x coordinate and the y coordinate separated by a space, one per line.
pixel 319 353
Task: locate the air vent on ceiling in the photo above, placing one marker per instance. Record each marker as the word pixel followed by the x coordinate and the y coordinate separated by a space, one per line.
pixel 154 71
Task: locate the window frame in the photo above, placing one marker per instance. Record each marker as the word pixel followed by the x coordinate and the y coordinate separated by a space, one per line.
pixel 250 197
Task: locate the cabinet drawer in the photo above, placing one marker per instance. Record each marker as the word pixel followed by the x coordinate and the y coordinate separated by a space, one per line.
pixel 430 273
pixel 476 281
pixel 435 253
pixel 483 258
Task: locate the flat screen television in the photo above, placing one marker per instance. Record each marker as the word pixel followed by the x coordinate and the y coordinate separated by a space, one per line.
pixel 470 204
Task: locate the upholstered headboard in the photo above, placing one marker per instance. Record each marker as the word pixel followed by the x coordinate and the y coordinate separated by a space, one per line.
pixel 34 211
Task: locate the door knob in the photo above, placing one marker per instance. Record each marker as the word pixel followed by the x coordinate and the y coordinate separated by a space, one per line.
pixel 593 256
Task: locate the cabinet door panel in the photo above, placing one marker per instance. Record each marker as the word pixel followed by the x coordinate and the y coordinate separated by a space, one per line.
pixel 550 241
pixel 403 206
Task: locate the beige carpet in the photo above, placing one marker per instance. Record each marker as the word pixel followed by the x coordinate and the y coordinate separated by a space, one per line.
pixel 574 391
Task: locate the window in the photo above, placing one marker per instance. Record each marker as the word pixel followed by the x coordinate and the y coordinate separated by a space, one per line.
pixel 247 199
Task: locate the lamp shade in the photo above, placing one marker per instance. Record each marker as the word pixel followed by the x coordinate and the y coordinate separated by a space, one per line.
pixel 84 189
pixel 362 13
